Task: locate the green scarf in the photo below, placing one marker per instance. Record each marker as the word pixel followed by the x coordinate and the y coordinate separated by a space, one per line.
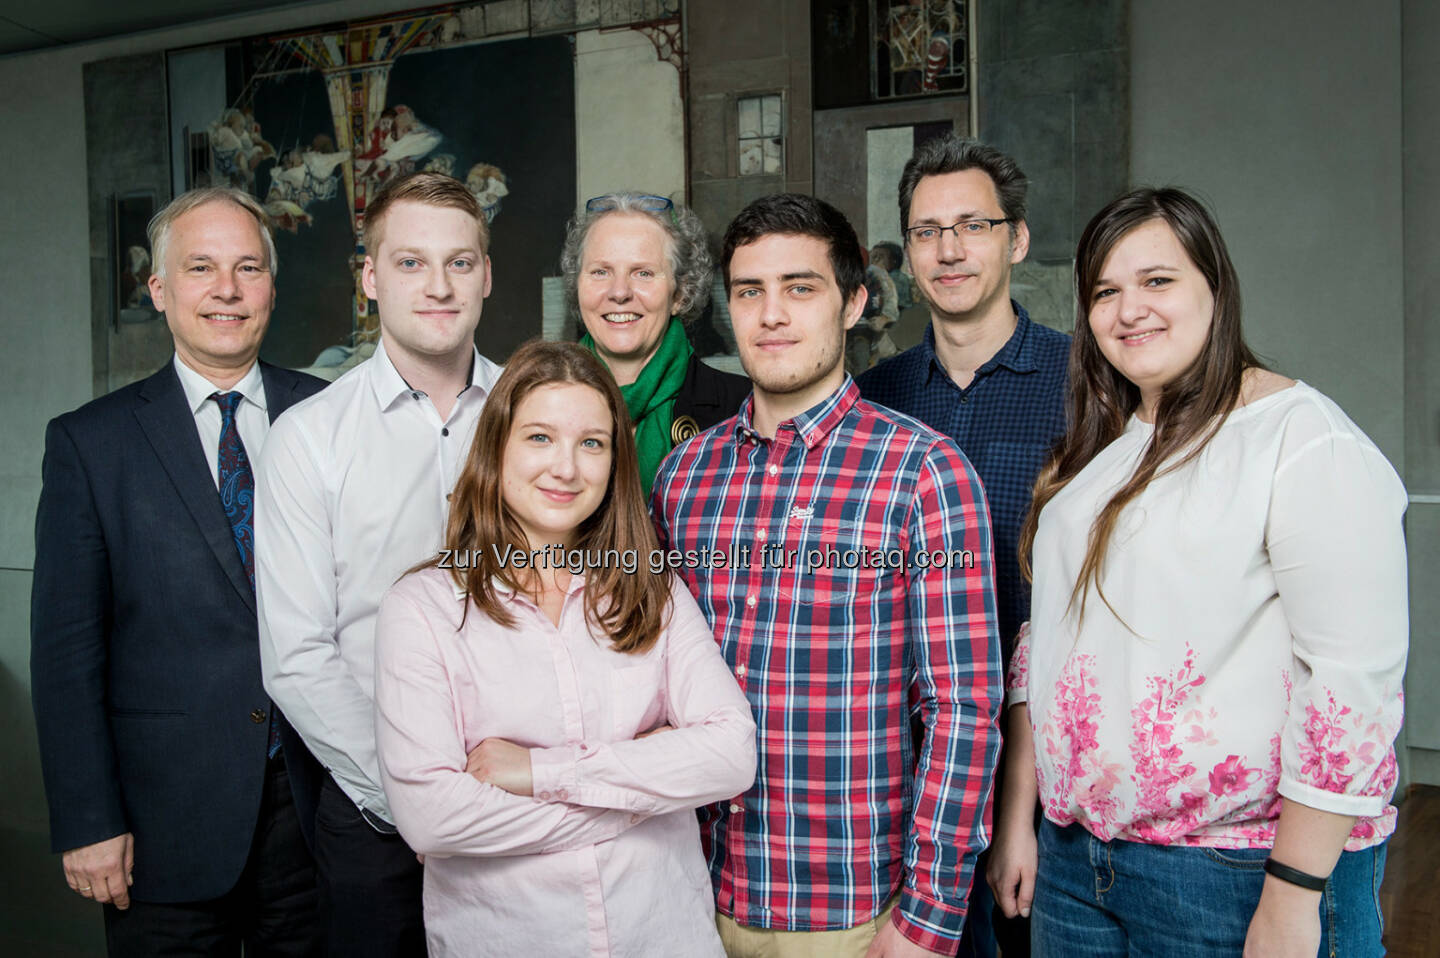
pixel 650 399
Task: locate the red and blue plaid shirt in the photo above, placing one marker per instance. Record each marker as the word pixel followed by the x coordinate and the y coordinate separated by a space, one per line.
pixel 845 567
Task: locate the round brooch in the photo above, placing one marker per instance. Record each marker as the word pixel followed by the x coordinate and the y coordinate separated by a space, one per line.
pixel 683 428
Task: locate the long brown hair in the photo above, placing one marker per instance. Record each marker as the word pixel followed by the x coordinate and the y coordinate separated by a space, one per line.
pixel 1191 408
pixel 630 609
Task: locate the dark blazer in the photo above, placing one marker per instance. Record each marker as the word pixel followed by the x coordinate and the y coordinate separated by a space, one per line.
pixel 707 396
pixel 144 654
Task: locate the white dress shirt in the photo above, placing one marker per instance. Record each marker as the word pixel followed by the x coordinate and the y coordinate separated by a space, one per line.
pixel 251 418
pixel 351 492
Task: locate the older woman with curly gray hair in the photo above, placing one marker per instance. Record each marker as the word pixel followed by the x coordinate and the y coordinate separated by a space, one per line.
pixel 636 269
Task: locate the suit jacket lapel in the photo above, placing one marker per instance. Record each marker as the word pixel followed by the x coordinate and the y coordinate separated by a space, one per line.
pixel 280 389
pixel 168 424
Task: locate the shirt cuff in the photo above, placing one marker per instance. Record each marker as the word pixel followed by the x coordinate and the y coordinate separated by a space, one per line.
pixel 553 776
pixel 1338 803
pixel 931 925
pixel 367 797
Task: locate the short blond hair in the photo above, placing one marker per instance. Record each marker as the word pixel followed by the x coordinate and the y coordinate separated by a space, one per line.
pixel 158 230
pixel 430 188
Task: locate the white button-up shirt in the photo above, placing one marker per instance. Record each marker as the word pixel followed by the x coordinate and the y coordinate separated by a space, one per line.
pixel 251 416
pixel 351 492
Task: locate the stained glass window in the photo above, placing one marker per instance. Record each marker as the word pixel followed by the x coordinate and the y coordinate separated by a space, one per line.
pixel 921 47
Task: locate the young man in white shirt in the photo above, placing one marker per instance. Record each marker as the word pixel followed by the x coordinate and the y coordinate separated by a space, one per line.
pixel 354 490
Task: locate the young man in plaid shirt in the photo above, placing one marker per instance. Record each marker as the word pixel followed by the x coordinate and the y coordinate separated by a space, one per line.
pixel 841 552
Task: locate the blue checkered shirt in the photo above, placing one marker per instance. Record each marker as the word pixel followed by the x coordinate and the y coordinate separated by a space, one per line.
pixel 1005 422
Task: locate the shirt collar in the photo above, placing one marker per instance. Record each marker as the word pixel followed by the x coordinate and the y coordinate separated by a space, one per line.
pixel 812 425
pixel 577 582
pixel 1017 355
pixel 462 593
pixel 389 385
pixel 198 389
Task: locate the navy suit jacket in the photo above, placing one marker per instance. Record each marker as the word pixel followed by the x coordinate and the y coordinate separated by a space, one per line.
pixel 144 654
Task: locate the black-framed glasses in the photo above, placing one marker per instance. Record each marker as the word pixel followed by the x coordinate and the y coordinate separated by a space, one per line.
pixel 963 230
pixel 645 201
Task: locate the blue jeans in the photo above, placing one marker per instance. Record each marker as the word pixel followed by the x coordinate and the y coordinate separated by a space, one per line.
pixel 1097 899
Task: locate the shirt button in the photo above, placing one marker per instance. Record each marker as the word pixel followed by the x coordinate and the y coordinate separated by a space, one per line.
pixel 414 395
pixel 561 794
pixel 740 669
pixel 543 796
pixel 258 716
pixel 761 535
pixel 734 809
pixel 444 430
pixel 750 601
pixel 773 470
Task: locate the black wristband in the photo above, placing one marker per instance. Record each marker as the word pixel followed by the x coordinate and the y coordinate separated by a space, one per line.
pixel 1295 876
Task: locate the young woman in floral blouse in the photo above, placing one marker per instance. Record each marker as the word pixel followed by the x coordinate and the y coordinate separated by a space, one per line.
pixel 1207 698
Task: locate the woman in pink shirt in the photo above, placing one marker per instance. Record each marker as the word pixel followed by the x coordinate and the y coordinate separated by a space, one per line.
pixel 550 708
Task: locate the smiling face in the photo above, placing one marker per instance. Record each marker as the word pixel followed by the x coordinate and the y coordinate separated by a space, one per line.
pixel 216 289
pixel 626 290
pixel 430 276
pixel 961 279
pixel 790 320
pixel 1151 310
pixel 556 465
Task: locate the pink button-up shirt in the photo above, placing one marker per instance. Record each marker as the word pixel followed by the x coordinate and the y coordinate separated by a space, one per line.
pixel 605 858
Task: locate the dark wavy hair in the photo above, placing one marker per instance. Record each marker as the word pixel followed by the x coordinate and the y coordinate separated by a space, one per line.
pixel 954 154
pixel 1191 408
pixel 631 609
pixel 796 214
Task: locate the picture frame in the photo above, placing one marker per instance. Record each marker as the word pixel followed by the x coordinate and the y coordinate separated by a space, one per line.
pixel 130 257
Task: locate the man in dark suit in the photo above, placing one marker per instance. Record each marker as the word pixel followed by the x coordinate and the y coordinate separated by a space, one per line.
pixel 165 770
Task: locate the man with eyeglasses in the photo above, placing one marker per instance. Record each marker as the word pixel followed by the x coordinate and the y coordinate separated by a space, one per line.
pixel 992 380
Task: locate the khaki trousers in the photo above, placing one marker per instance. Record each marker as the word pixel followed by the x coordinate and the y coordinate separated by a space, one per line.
pixel 742 941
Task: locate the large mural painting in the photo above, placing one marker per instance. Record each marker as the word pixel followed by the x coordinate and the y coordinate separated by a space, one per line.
pixel 318 121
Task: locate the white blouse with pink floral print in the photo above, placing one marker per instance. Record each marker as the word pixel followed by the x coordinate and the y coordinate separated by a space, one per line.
pixel 1253 644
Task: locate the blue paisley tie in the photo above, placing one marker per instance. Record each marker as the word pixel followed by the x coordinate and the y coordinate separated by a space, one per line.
pixel 237 495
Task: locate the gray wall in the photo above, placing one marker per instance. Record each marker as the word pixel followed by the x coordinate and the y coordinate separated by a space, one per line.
pixel 1421 163
pixel 126 150
pixel 744 48
pixel 1053 91
pixel 1288 119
